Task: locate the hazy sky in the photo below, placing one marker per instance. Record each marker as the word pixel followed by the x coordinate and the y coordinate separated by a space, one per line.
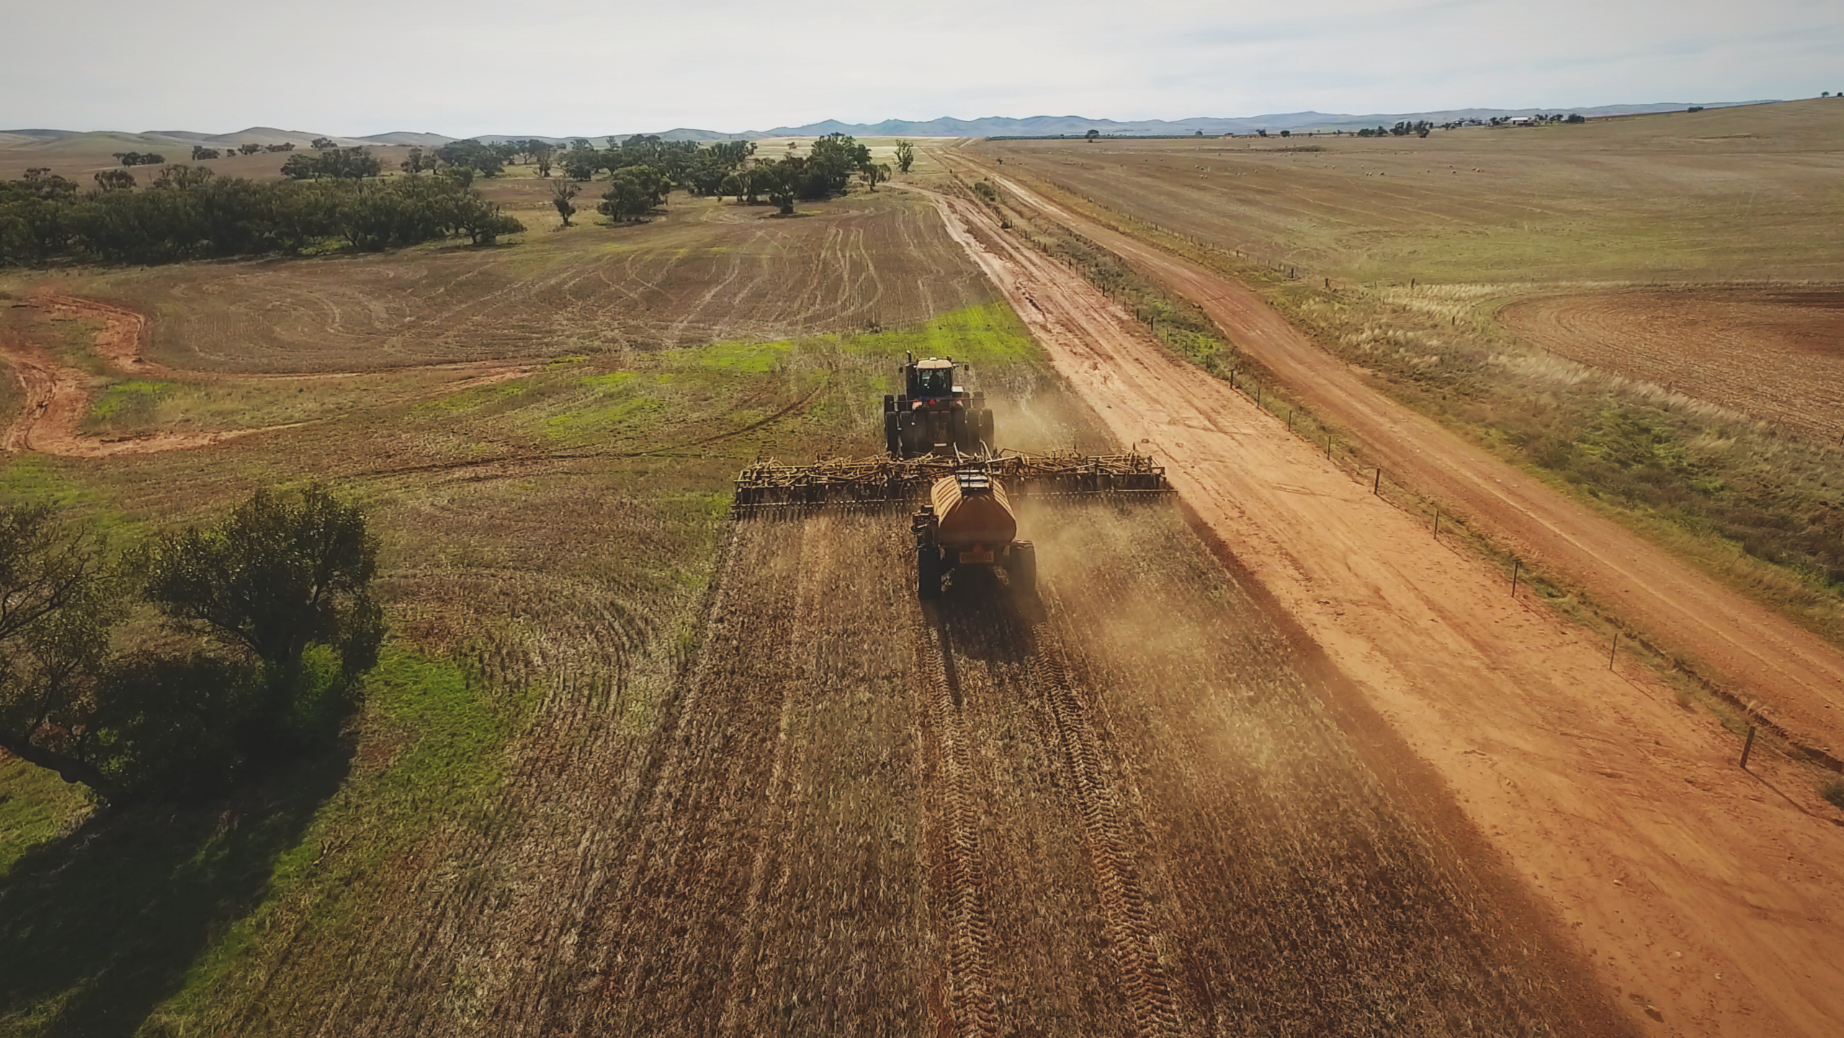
pixel 556 67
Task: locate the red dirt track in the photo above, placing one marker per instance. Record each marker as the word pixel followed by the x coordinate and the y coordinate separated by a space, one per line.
pixel 1703 897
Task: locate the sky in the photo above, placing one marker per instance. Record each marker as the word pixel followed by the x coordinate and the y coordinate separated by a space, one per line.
pixel 565 67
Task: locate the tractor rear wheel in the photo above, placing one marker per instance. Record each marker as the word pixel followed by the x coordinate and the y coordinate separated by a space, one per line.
pixel 893 441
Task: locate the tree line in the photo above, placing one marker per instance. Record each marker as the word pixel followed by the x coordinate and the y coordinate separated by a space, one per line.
pixel 265 624
pixel 190 213
pixel 642 170
pixel 200 153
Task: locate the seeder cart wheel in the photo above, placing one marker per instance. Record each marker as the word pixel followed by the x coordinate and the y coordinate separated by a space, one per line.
pixel 1023 567
pixel 928 571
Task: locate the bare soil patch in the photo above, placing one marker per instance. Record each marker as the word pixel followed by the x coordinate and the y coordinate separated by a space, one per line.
pixel 1776 354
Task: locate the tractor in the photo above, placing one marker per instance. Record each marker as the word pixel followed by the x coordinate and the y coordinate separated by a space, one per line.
pixel 935 415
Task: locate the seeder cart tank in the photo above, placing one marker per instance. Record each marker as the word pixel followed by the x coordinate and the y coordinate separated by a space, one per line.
pixel 935 414
pixel 968 521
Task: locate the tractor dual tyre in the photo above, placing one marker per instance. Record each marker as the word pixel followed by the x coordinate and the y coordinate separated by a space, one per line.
pixel 893 439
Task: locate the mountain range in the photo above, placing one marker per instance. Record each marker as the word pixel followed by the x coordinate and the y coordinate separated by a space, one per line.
pixel 993 126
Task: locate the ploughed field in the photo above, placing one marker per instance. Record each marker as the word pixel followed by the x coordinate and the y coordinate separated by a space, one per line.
pixel 705 272
pixel 1775 354
pixel 1120 809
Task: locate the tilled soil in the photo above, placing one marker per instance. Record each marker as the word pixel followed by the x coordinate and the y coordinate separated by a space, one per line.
pixel 1120 807
pixel 1773 354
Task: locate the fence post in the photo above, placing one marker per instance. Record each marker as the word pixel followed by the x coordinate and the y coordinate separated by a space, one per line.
pixel 1747 747
pixel 1437 524
pixel 1613 649
pixel 1516 566
pixel 1377 487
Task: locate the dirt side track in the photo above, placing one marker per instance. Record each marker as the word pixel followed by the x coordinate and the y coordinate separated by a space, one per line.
pixel 991 816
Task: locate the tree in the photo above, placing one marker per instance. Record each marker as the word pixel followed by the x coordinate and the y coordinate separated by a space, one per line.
pixel 542 154
pixel 583 163
pixel 634 191
pixel 322 143
pixel 114 180
pixel 1286 133
pixel 875 174
pixel 417 162
pixel 200 153
pixel 276 576
pixel 905 156
pixel 780 182
pixel 483 158
pixel 249 148
pixel 336 163
pixel 54 636
pixel 1091 135
pixel 562 191
pixel 182 177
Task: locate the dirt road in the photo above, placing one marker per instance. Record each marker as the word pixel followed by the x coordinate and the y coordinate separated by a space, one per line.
pixel 1704 897
pixel 1796 676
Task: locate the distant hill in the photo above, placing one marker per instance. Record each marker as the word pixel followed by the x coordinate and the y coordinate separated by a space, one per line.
pixel 414 140
pixel 991 126
pixel 1075 125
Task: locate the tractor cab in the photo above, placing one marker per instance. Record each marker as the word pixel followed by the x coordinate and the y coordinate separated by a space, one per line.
pixel 932 379
pixel 935 414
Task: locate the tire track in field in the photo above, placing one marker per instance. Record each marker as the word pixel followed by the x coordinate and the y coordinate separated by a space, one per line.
pixel 959 871
pixel 1130 929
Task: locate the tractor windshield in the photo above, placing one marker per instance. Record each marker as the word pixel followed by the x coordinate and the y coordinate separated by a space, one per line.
pixel 934 382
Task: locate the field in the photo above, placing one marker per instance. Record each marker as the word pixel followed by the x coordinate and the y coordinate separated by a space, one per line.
pixel 1774 354
pixel 632 766
pixel 857 815
pixel 1730 194
pixel 1266 758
